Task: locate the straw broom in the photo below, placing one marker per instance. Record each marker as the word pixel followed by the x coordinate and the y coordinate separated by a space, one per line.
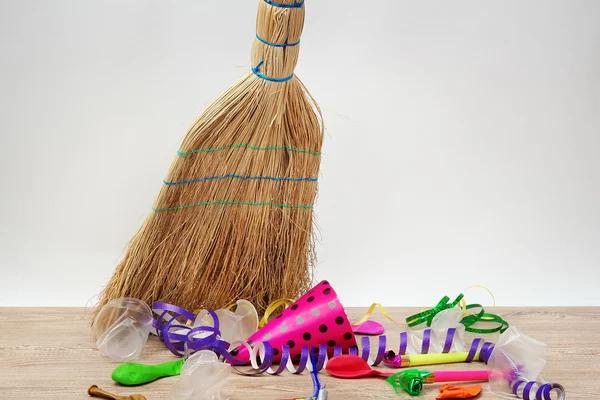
pixel 233 219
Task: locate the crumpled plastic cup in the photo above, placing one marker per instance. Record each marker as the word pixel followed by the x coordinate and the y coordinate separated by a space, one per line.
pixel 234 326
pixel 202 377
pixel 515 355
pixel 122 327
pixel 440 324
pixel 445 320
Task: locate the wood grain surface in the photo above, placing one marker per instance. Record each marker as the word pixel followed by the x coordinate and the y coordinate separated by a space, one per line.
pixel 48 353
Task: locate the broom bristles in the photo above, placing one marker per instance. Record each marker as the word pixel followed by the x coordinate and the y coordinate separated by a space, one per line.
pixel 234 217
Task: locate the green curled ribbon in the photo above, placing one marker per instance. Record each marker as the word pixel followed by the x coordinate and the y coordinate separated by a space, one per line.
pixel 468 320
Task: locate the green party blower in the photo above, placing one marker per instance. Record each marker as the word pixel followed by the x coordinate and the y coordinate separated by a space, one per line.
pixel 411 380
pixel 131 373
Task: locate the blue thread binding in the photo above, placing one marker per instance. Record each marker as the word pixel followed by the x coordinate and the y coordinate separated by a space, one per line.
pixel 286 44
pixel 256 71
pixel 242 177
pixel 294 5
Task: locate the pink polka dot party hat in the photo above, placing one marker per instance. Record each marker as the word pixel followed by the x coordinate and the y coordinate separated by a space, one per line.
pixel 317 318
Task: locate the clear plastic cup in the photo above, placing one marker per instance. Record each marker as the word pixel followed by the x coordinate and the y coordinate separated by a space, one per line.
pixel 441 323
pixel 202 378
pixel 234 326
pixel 121 328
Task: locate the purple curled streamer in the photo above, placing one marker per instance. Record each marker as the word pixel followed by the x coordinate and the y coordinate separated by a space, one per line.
pixel 366 348
pixel 527 390
pixel 486 352
pixel 285 351
pixel 337 351
pixel 515 386
pixel 449 340
pixel 177 342
pixel 473 349
pixel 380 350
pixel 543 389
pixel 426 341
pixel 304 357
pixel 403 343
pixel 542 393
pixel 265 364
pixel 322 356
pixel 166 308
pixel 426 344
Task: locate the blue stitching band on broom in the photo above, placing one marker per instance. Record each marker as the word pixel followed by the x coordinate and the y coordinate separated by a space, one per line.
pixel 244 178
pixel 293 5
pixel 256 71
pixel 286 44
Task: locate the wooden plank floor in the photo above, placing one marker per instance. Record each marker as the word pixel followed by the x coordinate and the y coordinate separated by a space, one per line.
pixel 48 353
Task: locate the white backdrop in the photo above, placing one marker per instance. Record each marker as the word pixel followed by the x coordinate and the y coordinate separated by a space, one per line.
pixel 462 142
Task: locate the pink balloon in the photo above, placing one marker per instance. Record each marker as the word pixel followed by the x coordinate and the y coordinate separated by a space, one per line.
pixel 369 327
